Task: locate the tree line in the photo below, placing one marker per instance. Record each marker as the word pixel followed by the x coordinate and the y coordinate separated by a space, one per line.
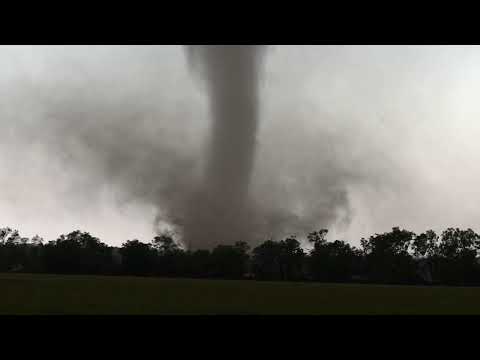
pixel 395 257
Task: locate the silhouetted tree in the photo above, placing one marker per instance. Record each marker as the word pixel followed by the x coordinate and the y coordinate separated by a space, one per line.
pixel 292 259
pixel 266 261
pixel 137 258
pixel 165 243
pixel 77 253
pixel 12 250
pixel 199 264
pixel 388 257
pixel 426 244
pixel 170 259
pixel 334 262
pixel 229 262
pixel 425 249
pixel 398 256
pixel 318 238
pixel 456 258
pixel 279 260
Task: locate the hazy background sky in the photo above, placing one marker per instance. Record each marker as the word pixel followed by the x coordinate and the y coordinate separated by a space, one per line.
pixel 354 138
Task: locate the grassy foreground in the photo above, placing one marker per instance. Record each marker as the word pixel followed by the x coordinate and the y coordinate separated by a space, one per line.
pixel 54 294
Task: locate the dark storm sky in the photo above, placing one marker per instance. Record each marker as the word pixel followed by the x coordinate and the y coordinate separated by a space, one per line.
pixel 354 138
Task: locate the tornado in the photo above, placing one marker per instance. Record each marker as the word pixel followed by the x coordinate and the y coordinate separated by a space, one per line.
pixel 220 209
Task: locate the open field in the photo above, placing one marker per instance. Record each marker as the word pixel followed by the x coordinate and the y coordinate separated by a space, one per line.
pixel 55 294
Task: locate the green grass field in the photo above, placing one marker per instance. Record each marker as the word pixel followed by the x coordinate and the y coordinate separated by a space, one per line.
pixel 53 294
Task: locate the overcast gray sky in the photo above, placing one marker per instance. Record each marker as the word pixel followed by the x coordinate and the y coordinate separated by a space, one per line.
pixel 354 138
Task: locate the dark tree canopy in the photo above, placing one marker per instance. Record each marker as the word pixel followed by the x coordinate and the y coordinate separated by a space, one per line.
pixel 388 256
pixel 395 257
pixel 137 258
pixel 334 262
pixel 279 260
pixel 77 252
